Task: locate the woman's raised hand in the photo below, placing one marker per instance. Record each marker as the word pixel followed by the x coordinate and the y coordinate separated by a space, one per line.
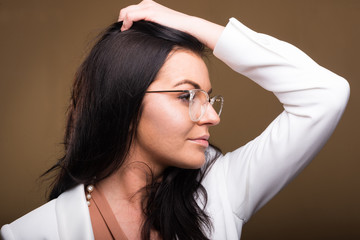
pixel 208 33
pixel 151 11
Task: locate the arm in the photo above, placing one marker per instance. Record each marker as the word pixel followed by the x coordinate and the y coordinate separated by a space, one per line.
pixel 313 99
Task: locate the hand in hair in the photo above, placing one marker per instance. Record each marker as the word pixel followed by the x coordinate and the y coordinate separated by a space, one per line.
pixel 206 32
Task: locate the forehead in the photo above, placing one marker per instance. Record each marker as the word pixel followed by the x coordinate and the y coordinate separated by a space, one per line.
pixel 180 69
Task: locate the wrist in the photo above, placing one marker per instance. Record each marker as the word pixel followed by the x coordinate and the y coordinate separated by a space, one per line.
pixel 205 31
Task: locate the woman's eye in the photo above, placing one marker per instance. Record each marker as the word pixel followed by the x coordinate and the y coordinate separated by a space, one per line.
pixel 185 97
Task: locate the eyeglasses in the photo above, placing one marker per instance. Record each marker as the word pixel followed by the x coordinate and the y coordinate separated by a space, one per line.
pixel 198 101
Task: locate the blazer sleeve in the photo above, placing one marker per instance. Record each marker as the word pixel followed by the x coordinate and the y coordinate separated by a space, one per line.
pixel 313 99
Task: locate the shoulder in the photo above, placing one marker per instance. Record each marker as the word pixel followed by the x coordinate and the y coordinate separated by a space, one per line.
pixel 66 217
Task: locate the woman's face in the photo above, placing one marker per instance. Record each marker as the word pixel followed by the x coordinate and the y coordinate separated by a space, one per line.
pixel 166 136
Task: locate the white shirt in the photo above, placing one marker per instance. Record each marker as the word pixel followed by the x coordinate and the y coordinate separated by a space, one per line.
pixel 242 181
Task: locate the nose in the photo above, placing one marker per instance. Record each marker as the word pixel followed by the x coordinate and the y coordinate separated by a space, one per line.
pixel 210 117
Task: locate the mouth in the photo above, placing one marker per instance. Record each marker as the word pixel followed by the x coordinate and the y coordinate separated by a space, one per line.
pixel 202 141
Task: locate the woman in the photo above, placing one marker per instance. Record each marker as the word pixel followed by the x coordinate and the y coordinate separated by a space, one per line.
pixel 137 161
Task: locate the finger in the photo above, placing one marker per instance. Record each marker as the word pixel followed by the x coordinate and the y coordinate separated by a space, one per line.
pixel 134 8
pixel 123 12
pixel 127 23
pixel 134 16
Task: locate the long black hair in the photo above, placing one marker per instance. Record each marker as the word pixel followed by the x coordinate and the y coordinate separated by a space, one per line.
pixel 104 112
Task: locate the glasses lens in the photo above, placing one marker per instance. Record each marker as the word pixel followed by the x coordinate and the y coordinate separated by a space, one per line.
pixel 198 105
pixel 217 103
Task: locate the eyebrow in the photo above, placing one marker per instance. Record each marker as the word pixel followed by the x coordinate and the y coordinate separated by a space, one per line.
pixel 186 81
pixel 194 84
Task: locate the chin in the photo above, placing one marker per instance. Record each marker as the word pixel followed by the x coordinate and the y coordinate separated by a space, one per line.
pixel 195 162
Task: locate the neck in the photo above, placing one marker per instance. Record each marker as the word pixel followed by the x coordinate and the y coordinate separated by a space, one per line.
pixel 125 191
pixel 127 184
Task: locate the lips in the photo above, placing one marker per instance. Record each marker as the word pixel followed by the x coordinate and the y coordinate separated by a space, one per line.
pixel 202 141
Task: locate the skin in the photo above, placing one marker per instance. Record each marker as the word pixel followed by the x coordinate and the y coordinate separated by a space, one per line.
pixel 166 135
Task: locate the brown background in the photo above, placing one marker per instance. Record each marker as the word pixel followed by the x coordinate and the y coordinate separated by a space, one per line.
pixel 43 42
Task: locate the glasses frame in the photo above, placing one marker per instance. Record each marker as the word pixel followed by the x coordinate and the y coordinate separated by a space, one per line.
pixel 192 93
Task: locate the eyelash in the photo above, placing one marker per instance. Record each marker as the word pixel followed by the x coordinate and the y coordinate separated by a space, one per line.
pixel 185 97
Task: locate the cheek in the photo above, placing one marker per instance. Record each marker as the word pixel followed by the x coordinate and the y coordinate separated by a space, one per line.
pixel 163 124
pixel 163 134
